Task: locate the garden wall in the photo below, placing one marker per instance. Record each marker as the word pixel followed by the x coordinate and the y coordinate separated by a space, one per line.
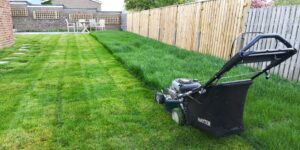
pixel 208 26
pixel 52 17
pixel 6 32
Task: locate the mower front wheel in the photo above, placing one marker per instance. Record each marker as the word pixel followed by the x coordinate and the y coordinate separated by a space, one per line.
pixel 178 116
pixel 159 98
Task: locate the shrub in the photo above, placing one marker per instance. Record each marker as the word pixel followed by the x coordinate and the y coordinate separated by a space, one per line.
pixel 261 3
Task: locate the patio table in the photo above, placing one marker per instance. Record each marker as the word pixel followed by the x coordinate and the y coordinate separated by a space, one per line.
pixel 85 26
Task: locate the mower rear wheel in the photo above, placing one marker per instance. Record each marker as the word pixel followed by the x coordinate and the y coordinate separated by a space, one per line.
pixel 178 116
pixel 159 98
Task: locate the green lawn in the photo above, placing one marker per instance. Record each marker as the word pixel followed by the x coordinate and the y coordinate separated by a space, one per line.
pixel 71 92
pixel 272 108
pixel 287 2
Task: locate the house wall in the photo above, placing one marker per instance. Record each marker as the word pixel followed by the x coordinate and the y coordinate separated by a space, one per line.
pixel 6 32
pixel 78 4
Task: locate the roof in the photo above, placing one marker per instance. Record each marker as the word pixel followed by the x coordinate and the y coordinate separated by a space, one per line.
pixel 19 2
pixel 97 1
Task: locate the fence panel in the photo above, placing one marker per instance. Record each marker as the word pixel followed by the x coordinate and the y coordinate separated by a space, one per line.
pixel 136 22
pixel 144 22
pixel 197 30
pixel 129 22
pixel 222 22
pixel 284 20
pixel 154 21
pixel 168 24
pixel 185 33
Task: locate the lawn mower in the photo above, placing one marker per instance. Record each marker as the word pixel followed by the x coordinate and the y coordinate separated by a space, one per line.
pixel 217 108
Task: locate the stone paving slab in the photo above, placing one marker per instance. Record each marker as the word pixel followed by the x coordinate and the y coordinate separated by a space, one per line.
pixel 4 62
pixel 19 53
pixel 10 58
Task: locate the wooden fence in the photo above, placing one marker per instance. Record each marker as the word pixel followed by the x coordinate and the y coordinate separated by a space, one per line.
pixel 208 27
pixel 284 20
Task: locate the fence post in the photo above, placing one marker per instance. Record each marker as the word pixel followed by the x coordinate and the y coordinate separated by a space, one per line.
pixel 176 25
pixel 139 22
pixel 198 41
pixel 148 22
pixel 159 24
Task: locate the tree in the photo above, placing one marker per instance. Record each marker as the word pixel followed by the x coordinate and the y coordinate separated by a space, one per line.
pixel 261 3
pixel 49 2
pixel 287 2
pixel 147 4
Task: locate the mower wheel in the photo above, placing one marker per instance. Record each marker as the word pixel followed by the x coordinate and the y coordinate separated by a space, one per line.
pixel 159 98
pixel 178 116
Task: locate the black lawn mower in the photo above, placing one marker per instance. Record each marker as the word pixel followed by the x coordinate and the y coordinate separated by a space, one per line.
pixel 217 108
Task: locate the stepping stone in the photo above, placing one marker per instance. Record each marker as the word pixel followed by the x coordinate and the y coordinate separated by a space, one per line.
pixel 4 62
pixel 23 49
pixel 19 53
pixel 10 58
pixel 25 46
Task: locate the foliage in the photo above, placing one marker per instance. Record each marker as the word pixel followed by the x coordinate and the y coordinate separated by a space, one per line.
pixel 147 4
pixel 272 106
pixel 49 2
pixel 268 3
pixel 261 3
pixel 287 2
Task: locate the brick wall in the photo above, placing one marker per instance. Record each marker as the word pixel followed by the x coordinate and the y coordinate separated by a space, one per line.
pixel 28 23
pixel 6 32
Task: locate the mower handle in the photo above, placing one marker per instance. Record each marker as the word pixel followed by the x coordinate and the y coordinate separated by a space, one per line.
pixel 244 53
pixel 266 36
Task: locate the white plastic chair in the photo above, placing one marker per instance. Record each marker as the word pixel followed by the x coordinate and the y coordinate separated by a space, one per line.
pixel 101 24
pixel 70 25
pixel 92 24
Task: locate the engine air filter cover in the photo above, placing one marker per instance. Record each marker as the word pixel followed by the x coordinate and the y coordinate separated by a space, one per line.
pixel 184 85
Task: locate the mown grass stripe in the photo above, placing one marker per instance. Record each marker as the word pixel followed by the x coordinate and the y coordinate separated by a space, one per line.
pixel 28 111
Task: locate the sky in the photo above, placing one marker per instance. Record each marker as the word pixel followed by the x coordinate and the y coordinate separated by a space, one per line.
pixel 107 5
pixel 35 1
pixel 112 5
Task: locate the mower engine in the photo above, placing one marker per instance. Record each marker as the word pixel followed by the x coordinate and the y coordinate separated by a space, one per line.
pixel 169 97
